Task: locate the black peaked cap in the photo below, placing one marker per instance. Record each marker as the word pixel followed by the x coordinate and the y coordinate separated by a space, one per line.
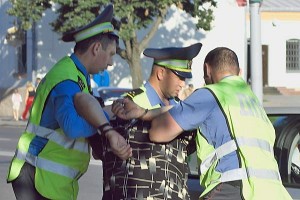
pixel 175 58
pixel 184 53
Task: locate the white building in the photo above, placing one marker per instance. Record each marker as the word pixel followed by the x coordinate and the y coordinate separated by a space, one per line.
pixel 280 36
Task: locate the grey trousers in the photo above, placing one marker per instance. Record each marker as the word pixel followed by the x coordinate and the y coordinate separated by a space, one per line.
pixel 225 191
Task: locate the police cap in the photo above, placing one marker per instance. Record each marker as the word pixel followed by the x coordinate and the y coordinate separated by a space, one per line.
pixel 179 60
pixel 102 24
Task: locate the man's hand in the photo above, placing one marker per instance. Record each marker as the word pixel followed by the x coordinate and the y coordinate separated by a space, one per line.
pixel 127 109
pixel 118 145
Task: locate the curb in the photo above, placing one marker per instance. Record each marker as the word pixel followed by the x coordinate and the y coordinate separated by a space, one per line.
pixel 9 121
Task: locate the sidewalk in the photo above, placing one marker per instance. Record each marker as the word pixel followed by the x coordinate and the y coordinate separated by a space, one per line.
pixel 281 100
pixel 269 100
pixel 9 121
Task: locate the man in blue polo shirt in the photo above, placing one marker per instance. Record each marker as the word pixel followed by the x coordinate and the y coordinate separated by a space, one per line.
pixel 53 152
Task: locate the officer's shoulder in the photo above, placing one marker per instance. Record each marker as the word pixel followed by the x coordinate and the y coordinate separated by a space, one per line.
pixel 135 92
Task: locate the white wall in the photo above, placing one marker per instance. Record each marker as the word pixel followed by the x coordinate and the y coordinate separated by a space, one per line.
pixel 275 33
pixel 229 30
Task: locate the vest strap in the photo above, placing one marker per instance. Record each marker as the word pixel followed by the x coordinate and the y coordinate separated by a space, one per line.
pixel 48 165
pixel 54 136
pixel 231 146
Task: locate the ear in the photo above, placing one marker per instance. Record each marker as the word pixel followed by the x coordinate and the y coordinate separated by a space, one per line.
pixel 240 72
pixel 96 48
pixel 160 73
pixel 206 70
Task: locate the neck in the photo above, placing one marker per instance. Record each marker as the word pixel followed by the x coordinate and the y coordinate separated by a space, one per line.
pixel 84 59
pixel 219 77
pixel 159 92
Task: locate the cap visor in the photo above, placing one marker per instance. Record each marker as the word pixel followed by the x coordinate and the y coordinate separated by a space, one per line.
pixel 183 74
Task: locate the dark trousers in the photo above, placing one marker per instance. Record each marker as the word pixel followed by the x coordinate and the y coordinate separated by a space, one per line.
pixel 225 191
pixel 23 186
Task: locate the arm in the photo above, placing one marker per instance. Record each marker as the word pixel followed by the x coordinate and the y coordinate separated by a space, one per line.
pixel 60 112
pixel 187 115
pixel 89 108
pixel 108 111
pixel 127 109
pixel 164 128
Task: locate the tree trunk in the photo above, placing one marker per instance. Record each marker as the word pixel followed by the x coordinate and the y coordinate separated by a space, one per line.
pixel 135 70
pixel 133 50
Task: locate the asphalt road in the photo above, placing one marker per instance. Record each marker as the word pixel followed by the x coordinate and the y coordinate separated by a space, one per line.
pixel 90 184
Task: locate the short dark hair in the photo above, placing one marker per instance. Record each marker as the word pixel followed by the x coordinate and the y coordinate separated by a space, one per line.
pixel 104 38
pixel 223 59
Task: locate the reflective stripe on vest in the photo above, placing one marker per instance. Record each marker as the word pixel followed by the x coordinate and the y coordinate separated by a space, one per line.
pixel 54 136
pixel 231 146
pixel 47 165
pixel 245 173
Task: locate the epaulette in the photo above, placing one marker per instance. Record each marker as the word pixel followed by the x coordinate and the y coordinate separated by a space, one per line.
pixel 131 94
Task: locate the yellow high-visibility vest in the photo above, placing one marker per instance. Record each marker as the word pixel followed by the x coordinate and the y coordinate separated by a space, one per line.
pixel 63 160
pixel 253 143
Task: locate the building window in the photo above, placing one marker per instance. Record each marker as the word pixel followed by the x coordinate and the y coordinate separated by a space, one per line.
pixel 292 55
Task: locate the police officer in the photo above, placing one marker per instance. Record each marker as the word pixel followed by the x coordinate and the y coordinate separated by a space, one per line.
pixel 53 153
pixel 165 165
pixel 154 170
pixel 235 147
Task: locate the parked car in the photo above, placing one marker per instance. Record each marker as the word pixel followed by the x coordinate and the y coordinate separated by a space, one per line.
pixel 109 94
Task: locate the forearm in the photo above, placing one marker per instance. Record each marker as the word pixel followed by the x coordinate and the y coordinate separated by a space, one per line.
pixel 89 109
pixel 164 128
pixel 151 114
pixel 127 109
pixel 108 111
pixel 73 125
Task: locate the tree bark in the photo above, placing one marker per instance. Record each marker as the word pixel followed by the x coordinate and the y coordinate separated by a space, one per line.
pixel 136 69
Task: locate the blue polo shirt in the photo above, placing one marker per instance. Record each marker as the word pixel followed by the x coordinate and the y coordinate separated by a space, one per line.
pixel 201 110
pixel 60 110
pixel 154 98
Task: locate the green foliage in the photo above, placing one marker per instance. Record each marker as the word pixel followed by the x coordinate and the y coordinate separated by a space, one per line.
pixel 204 13
pixel 130 15
pixel 28 11
pixel 135 15
pixel 74 14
